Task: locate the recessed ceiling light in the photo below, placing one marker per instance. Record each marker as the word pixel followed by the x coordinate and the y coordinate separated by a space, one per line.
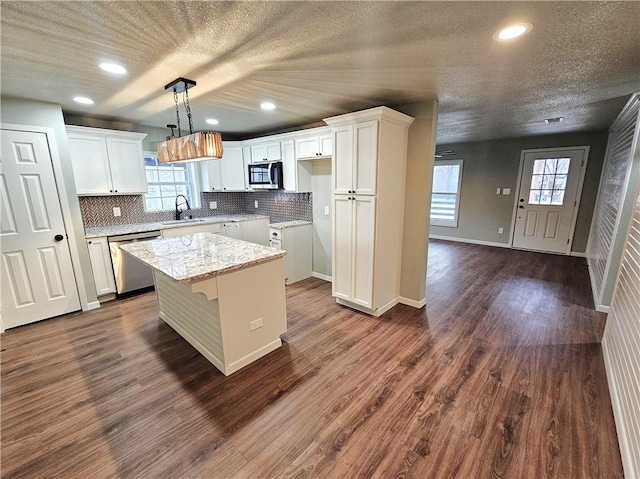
pixel 83 99
pixel 512 31
pixel 113 68
pixel 212 121
pixel 549 121
pixel 267 105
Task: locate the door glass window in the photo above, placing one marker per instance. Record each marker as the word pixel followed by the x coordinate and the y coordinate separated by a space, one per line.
pixel 549 181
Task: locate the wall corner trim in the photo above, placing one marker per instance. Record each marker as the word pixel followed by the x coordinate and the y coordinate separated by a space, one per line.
pixel 92 305
pixel 412 302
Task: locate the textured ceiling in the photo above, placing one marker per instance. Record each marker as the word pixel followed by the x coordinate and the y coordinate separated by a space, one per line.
pixel 317 59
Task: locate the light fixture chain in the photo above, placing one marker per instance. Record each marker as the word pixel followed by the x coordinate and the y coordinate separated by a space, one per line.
pixel 187 108
pixel 175 100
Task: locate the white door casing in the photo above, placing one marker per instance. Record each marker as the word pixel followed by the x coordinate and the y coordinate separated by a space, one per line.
pixel 549 188
pixel 38 280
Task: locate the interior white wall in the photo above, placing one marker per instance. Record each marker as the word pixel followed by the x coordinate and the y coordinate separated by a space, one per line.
pixel 321 197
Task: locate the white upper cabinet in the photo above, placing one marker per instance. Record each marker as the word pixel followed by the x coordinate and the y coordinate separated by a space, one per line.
pixel 227 173
pixel 233 177
pixel 289 166
pixel 268 151
pixel 106 162
pixel 309 147
pixel 342 162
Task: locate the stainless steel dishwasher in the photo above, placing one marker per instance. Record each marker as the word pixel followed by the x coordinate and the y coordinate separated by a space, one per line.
pixel 130 273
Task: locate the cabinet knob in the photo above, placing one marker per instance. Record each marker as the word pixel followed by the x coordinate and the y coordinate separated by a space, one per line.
pixel 116 191
pixel 89 242
pixel 110 191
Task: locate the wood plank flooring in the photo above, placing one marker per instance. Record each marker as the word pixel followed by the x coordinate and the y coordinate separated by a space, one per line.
pixel 500 376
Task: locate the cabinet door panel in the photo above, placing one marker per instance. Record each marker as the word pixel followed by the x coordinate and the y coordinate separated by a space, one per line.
pixel 363 244
pixel 90 162
pixel 342 159
pixel 100 259
pixel 212 175
pixel 326 145
pixel 232 169
pixel 342 247
pixel 366 153
pixel 127 166
pixel 274 153
pixel 289 166
pixel 307 147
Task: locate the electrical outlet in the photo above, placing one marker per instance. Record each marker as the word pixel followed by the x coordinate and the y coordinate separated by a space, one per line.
pixel 255 203
pixel 498 191
pixel 255 324
pixel 506 191
pixel 500 231
pixel 326 210
pixel 213 205
pixel 116 211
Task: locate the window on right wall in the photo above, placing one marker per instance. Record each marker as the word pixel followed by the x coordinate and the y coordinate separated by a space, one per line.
pixel 445 194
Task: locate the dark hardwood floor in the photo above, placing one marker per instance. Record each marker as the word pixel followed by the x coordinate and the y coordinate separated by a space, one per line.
pixel 500 376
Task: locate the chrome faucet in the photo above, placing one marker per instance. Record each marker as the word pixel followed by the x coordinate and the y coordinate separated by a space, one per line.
pixel 179 211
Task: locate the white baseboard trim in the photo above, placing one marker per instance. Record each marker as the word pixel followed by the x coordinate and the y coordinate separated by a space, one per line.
pixel 249 358
pixel 623 443
pixel 599 307
pixel 322 276
pixel 470 241
pixel 92 305
pixel 412 302
pixel 377 312
pixel 578 254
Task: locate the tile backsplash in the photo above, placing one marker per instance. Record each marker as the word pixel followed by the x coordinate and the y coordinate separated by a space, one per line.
pixel 279 206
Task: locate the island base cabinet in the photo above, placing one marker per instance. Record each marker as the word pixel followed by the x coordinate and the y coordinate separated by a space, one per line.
pixel 214 316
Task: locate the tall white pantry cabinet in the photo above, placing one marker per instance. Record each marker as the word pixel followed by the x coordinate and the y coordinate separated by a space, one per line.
pixel 368 175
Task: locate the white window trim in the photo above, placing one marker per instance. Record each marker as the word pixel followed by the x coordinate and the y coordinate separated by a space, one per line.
pixel 194 172
pixel 454 223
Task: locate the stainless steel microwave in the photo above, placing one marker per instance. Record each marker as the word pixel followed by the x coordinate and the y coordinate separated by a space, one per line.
pixel 266 175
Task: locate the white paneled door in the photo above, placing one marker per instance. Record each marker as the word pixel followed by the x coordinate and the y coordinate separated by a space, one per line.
pixel 37 276
pixel 547 200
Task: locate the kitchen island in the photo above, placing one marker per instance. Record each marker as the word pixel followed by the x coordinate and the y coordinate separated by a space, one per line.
pixel 224 296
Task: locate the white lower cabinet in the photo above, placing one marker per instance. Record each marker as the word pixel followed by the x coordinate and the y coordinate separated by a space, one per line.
pixel 191 229
pixel 296 241
pixel 100 259
pixel 255 231
pixel 353 248
pixel 231 230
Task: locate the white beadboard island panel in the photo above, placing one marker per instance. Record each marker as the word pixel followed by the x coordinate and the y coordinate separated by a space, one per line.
pixel 609 219
pixel 621 348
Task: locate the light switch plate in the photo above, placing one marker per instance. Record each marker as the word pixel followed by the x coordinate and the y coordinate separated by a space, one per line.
pixel 213 205
pixel 506 191
pixel 116 211
pixel 498 191
pixel 256 324
pixel 255 203
pixel 500 231
pixel 326 210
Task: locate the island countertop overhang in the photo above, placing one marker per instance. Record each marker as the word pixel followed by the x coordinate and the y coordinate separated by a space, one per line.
pixel 201 255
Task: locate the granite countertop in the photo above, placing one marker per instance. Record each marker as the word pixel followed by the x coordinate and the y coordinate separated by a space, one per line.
pixel 197 256
pixel 144 227
pixel 289 224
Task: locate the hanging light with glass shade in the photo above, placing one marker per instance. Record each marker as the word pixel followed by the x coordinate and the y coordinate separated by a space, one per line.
pixel 203 145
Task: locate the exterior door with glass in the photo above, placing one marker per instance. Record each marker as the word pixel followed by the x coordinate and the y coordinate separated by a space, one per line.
pixel 547 199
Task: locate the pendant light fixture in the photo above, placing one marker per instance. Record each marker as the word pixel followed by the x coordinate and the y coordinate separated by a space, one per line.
pixel 203 145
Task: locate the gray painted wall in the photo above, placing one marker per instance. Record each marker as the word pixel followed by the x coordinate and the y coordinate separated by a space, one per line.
pixel 33 113
pixel 489 165
pixel 321 195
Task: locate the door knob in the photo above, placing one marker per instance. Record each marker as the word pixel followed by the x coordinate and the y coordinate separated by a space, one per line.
pixel 58 237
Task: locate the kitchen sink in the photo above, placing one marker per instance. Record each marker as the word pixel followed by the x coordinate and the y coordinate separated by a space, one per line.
pixel 185 222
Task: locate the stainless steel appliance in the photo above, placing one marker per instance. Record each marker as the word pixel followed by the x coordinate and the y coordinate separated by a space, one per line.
pixel 130 273
pixel 266 175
